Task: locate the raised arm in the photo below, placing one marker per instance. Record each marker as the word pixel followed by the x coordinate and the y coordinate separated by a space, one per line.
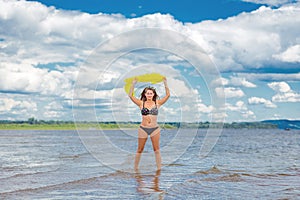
pixel 163 100
pixel 133 98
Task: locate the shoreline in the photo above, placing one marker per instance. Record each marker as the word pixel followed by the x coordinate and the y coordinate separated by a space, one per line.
pixel 112 128
pixel 74 127
pixel 61 125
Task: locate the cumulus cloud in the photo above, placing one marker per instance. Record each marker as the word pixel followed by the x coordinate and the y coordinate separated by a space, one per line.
pixel 220 81
pixel 53 110
pixel 229 92
pixel 284 92
pixel 265 102
pixel 53 35
pixel 204 108
pixel 250 40
pixel 8 105
pixel 270 76
pixel 271 2
pixel 241 81
pixel 286 97
pixel 241 108
pixel 32 34
pixel 219 116
pixel 36 34
pixel 280 87
pixel 25 78
pixel 233 81
pixel 292 54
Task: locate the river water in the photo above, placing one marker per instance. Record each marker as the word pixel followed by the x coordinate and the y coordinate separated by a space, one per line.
pixel 244 164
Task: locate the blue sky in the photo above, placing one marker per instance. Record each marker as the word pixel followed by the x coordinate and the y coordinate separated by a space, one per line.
pixel 48 48
pixel 183 10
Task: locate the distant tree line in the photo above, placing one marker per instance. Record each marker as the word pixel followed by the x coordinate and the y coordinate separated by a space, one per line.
pixel 32 120
pixel 234 125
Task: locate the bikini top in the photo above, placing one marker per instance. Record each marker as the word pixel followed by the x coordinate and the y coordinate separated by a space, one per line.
pixel 152 111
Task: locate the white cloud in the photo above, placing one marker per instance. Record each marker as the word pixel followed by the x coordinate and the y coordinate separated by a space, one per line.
pixel 186 108
pixel 284 92
pixel 248 114
pixel 229 92
pixel 69 36
pixel 292 54
pixel 219 116
pixel 251 39
pixel 54 106
pixel 33 34
pixel 174 58
pixel 52 114
pixel 92 94
pixel 265 102
pixel 180 88
pixel 8 105
pixel 279 86
pixel 220 81
pixel 233 81
pixel 204 108
pixel 270 76
pixel 241 81
pixel 286 97
pixel 26 78
pixel 241 108
pixel 271 2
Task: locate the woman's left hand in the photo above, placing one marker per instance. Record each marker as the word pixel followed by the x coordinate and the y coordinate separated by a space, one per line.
pixel 165 80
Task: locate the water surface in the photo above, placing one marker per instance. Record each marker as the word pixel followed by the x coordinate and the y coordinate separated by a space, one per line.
pixel 248 164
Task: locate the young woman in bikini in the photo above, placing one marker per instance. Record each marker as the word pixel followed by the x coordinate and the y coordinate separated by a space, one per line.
pixel 149 105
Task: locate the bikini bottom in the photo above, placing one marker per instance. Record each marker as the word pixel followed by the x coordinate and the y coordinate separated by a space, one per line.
pixel 149 130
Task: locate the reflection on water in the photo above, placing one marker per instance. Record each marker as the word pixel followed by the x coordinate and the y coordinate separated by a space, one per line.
pixel 148 183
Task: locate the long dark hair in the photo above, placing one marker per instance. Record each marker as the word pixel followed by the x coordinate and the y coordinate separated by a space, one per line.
pixel 143 96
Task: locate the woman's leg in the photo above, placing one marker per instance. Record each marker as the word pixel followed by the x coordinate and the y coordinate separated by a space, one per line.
pixel 142 138
pixel 155 136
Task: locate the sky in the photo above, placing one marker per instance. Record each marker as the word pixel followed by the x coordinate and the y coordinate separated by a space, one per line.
pixel 225 60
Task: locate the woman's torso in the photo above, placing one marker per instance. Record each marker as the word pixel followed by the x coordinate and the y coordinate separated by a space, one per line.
pixel 149 112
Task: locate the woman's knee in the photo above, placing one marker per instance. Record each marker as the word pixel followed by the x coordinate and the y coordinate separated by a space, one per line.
pixel 156 149
pixel 140 150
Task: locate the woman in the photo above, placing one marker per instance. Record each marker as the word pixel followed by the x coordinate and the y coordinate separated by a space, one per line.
pixel 149 105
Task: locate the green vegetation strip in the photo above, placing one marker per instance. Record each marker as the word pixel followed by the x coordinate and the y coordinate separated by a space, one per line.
pixel 81 126
pixel 60 125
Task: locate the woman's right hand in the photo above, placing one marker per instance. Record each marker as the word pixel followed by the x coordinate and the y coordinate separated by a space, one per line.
pixel 165 80
pixel 134 81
